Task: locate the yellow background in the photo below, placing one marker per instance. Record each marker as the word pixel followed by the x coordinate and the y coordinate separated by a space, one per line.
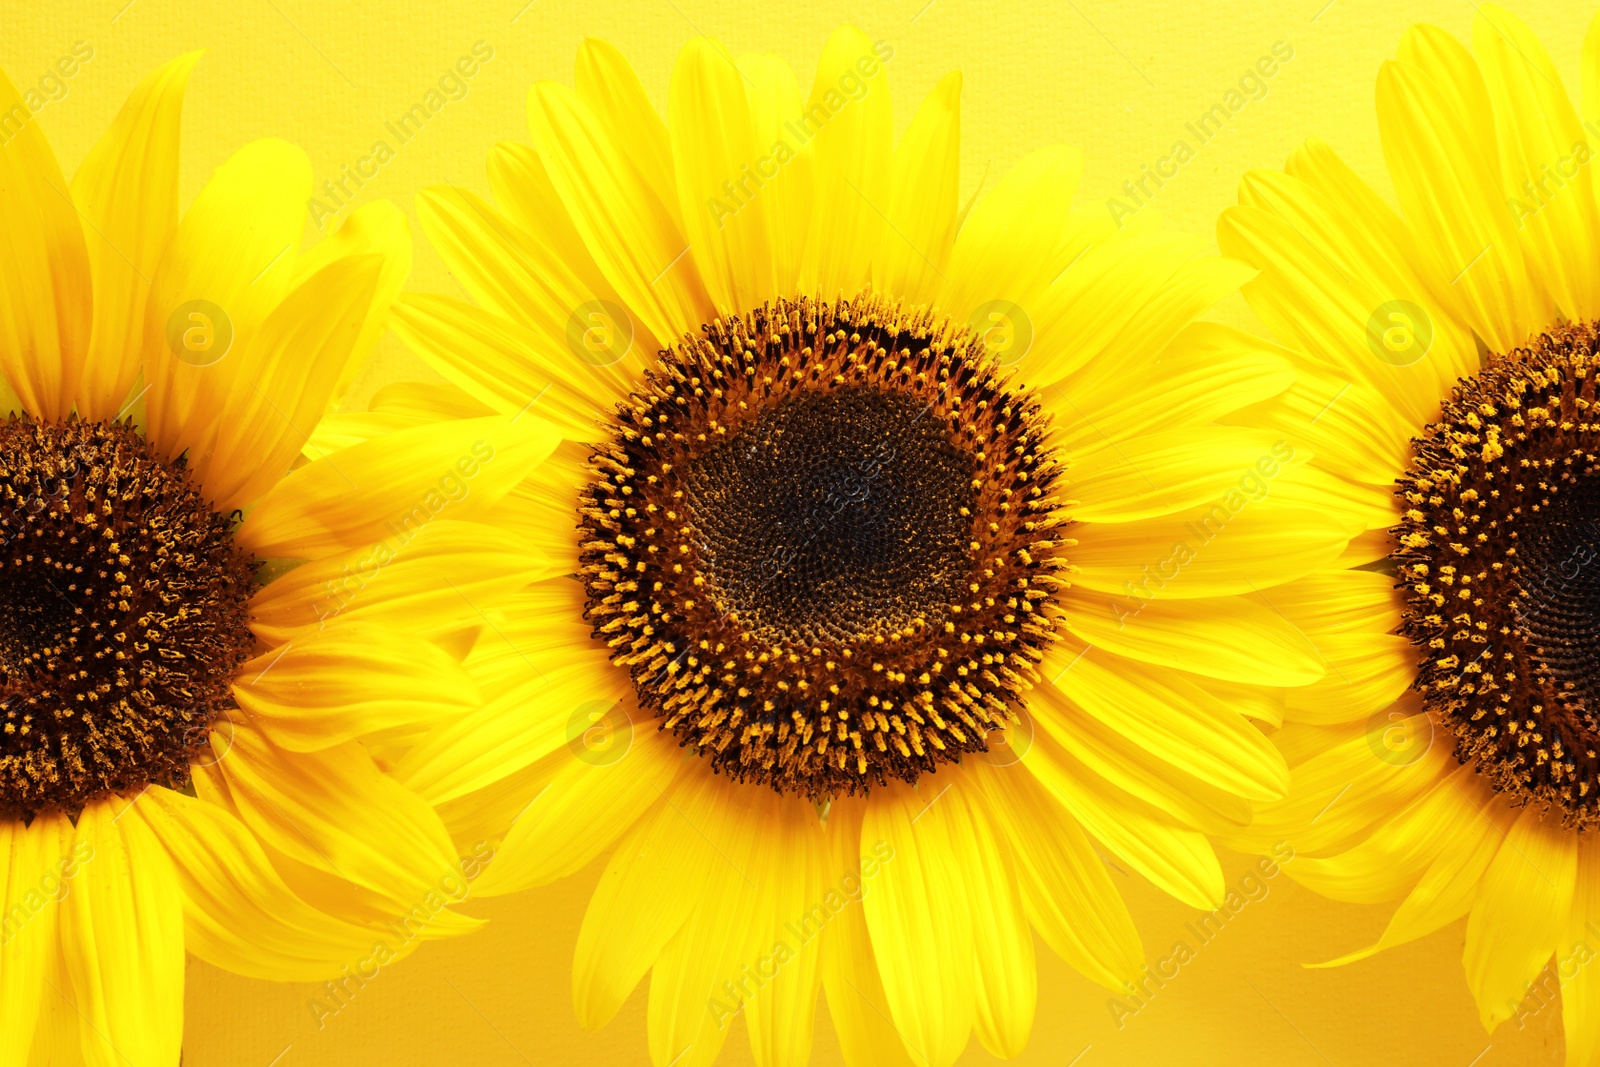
pixel 1117 79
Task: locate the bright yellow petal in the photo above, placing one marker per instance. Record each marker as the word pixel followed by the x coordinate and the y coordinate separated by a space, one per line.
pixel 127 190
pixel 775 108
pixel 850 127
pixel 1580 996
pixel 920 228
pixel 650 887
pixel 122 937
pixel 1433 113
pixel 334 811
pixel 33 859
pixel 238 913
pixel 1445 891
pixel 1540 139
pixel 856 1002
pixel 1232 639
pixel 289 370
pixel 396 483
pixel 629 231
pixel 920 914
pixel 501 364
pixel 234 249
pixel 591 798
pixel 425 581
pixel 378 228
pixel 347 681
pixel 1066 888
pixel 1520 913
pixel 45 296
pixel 719 172
pixel 611 88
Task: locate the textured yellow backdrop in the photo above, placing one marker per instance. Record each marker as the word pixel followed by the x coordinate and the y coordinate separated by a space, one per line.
pixel 1118 79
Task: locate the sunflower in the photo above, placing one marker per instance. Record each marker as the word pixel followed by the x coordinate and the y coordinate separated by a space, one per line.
pixel 886 580
pixel 184 694
pixel 1447 366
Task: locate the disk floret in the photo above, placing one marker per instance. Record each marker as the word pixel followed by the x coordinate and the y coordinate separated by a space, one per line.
pixel 1499 549
pixel 125 616
pixel 825 540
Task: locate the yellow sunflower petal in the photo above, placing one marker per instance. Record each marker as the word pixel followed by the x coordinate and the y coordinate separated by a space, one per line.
pixel 1066 890
pixel 849 125
pixel 608 84
pixel 122 938
pixel 856 1001
pixel 775 108
pixel 1231 639
pixel 1433 115
pixel 788 865
pixel 1208 371
pixel 347 681
pixel 1014 235
pixel 396 483
pixel 1005 979
pixel 238 913
pixel 1580 996
pixel 629 231
pixel 36 864
pixel 720 173
pixel 1446 890
pixel 650 887
pixel 1542 152
pixel 1166 714
pixel 590 799
pixel 335 811
pixel 920 914
pixel 498 362
pixel 234 249
pixel 378 228
pixel 1520 913
pixel 127 189
pixel 920 224
pixel 396 582
pixel 525 281
pixel 293 365
pixel 1179 861
pixel 46 303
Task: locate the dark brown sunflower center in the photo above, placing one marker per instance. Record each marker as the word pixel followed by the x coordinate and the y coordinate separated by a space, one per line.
pixel 824 539
pixel 123 616
pixel 1499 546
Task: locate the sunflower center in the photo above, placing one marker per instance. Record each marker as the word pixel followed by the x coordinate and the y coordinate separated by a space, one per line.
pixel 823 538
pixel 125 614
pixel 1499 547
pixel 840 515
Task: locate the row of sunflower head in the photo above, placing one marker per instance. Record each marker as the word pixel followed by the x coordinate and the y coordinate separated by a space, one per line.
pixel 856 571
